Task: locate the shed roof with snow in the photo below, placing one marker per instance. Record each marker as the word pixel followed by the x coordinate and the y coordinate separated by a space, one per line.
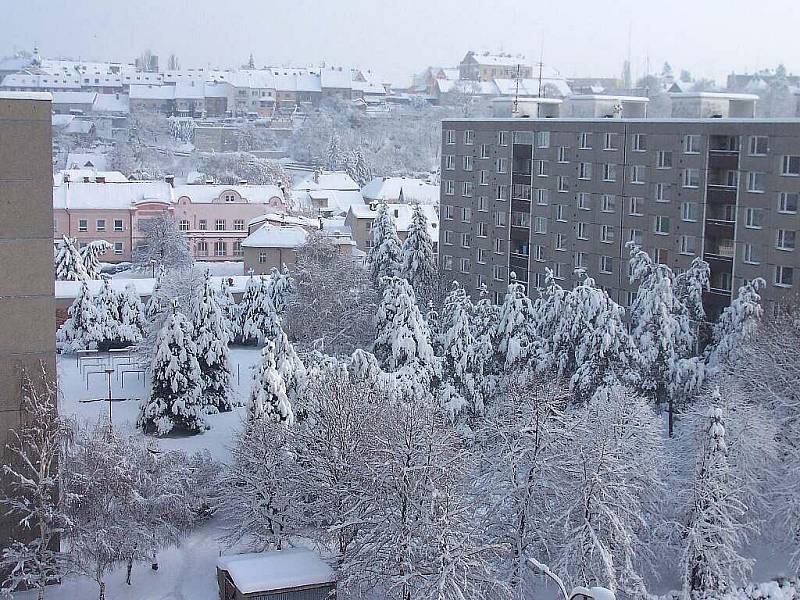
pixel 285 571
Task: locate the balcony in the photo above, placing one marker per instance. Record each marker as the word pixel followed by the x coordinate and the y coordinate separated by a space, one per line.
pixel 721 195
pixel 521 191
pixel 522 166
pixel 723 160
pixel 521 219
pixel 723 178
pixel 724 144
pixel 720 250
pixel 722 214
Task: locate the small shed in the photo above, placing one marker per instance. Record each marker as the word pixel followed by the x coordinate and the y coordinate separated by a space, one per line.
pixel 293 574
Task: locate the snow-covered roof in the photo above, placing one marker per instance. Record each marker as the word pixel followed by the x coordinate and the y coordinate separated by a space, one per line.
pixel 401 213
pixel 208 193
pixel 275 236
pixel 282 219
pixel 87 160
pixel 143 286
pixel 714 95
pixel 111 103
pixel 72 97
pixel 45 96
pixel 276 570
pixel 339 201
pixel 497 60
pixel 152 92
pixel 60 121
pixel 336 78
pixel 369 87
pixel 328 180
pixel 392 189
pixel 78 175
pixel 216 90
pixel 79 127
pixel 610 97
pixel 111 195
pixel 188 91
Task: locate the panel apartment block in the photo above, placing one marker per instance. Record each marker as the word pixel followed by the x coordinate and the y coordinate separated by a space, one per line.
pixel 522 195
pixel 27 306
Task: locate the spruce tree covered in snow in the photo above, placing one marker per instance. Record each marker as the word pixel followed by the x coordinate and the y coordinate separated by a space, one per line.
pixel 279 288
pixel 418 265
pixel 460 390
pixel 90 254
pixel 689 288
pixel 291 369
pixel 334 158
pixel 737 323
pixel 714 534
pixel 384 256
pixel 515 332
pixel 549 308
pixel 81 330
pixel 228 309
pixel 260 320
pixel 108 316
pixel 268 399
pixel 133 322
pixel 211 339
pixel 358 169
pixel 158 302
pixel 403 341
pixel 31 496
pixel 68 262
pixel 246 310
pixel 174 402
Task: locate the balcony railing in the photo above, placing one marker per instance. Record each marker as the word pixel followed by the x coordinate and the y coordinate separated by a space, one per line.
pixel 724 249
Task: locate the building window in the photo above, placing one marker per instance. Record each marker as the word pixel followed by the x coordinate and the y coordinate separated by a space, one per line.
pixel 560 242
pixel 484 150
pixel 560 212
pixel 750 255
pixel 481 256
pixel 688 244
pixel 563 184
pixel 83 225
pixel 664 159
pixel 607 234
pixel 262 257
pixel 637 173
pixel 785 239
pixel 502 192
pixel 689 211
pixel 449 162
pixel 759 145
pixel 559 270
pixel 483 204
pixel 469 137
pixel 756 182
pixel 585 171
pixel 754 218
pixel 582 231
pixel 118 225
pixel 449 187
pixel 202 250
pixel 498 246
pixel 609 203
pixel 482 229
pixel 639 142
pixel 448 212
pixel 238 225
pixel 542 139
pixel 541 168
pixel 500 218
pixel 691 178
pixel 466 214
pixel 502 138
pixel 790 166
pixel 538 253
pixel 520 219
pixel 787 203
pixel 584 201
pixel 450 136
pixel 467 191
pixel 237 249
pixel 497 273
pixel 540 225
pixel 448 237
pixel 606 264
pixel 691 144
pixel 219 248
pixel 468 163
pixel 183 225
pixel 636 207
pixel 100 225
pixel 219 225
pixel 784 276
pixel 465 265
pixel 661 225
pixel 610 141
pixel 203 225
pixel 661 194
pixel 483 178
pixel 118 247
pixel 585 141
pixel 562 154
pixel 609 172
pixel 580 260
pixel 636 236
pixel 542 196
pixel 502 165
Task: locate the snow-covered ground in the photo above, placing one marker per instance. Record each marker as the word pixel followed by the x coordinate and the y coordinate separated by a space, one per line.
pixel 217 268
pixel 189 571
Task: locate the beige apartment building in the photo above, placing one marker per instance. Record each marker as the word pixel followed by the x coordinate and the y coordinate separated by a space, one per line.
pixel 523 195
pixel 27 307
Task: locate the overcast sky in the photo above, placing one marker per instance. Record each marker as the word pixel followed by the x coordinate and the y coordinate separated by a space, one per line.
pixel 397 38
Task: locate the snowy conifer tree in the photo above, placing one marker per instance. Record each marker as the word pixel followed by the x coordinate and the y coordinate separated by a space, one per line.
pixel 549 308
pixel 175 401
pixel 737 323
pixel 279 287
pixel 260 320
pixel 515 331
pixel 384 255
pixel 211 339
pixel 418 265
pixel 247 309
pixel 133 322
pixel 268 398
pixel 108 316
pixel 486 316
pixel 291 369
pixel 81 330
pixel 229 309
pixel 358 169
pixel 90 254
pixel 68 262
pixel 333 157
pixel 689 288
pixel 459 363
pixel 714 533
pixel 31 492
pixel 158 302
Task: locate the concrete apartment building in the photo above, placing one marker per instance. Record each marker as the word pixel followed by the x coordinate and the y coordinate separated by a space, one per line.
pixel 522 195
pixel 27 324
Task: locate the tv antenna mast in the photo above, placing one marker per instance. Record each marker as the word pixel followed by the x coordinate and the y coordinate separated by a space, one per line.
pixel 515 109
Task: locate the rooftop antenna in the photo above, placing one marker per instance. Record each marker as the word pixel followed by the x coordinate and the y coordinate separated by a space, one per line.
pixel 516 93
pixel 541 66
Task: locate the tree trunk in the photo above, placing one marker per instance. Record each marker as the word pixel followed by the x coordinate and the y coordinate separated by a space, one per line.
pixel 102 590
pixel 671 418
pixel 128 571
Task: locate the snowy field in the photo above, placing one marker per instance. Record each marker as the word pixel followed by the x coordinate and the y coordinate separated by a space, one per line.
pixel 217 269
pixel 187 572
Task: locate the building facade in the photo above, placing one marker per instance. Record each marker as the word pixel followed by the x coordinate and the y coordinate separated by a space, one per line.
pixel 524 195
pixel 27 306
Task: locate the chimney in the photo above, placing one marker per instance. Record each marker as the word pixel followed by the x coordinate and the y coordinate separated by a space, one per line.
pixel 170 179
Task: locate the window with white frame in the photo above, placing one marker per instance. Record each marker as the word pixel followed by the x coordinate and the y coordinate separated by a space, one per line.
pixel 638 173
pixel 580 260
pixel 541 168
pixel 447 212
pixel 609 172
pixel 561 211
pixel 483 204
pixel 100 225
pixel 502 165
pixel 787 202
pixel 538 253
pixel 502 138
pixel 610 141
pixel 636 236
pixel 582 230
pixel 485 151
pixel 202 225
pixel 447 262
pixel 754 218
pixel 483 177
pixel 466 214
pixel 450 136
pixel 448 237
pixel 481 256
pixel 661 225
pixel 639 142
pixel 607 234
pixel 219 225
pixel 688 244
pixel 785 239
pixel 449 187
pixel 118 225
pixel 468 163
pixel 183 225
pixel 689 211
pixel 756 182
pixel 219 248
pixel 449 162
pixel 790 165
pixel 465 265
pixel 469 137
pixel 691 144
pixel 750 254
pixel 482 229
pixel 584 201
pixel 563 183
pixel 563 154
pixel 83 225
pixel 498 246
pixel 664 159
pixel 691 178
pixel 542 139
pixel 758 145
pixel 238 224
pixel 606 264
pixel 520 219
pixel 784 276
pixel 480 281
pixel 118 247
pixel 497 272
pixel 559 270
pixel 502 192
pixel 561 243
pixel 540 225
pixel 500 218
pixel 635 206
pixel 662 192
pixel 202 250
pixel 608 203
pixel 237 249
pixel 585 141
pixel 585 170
